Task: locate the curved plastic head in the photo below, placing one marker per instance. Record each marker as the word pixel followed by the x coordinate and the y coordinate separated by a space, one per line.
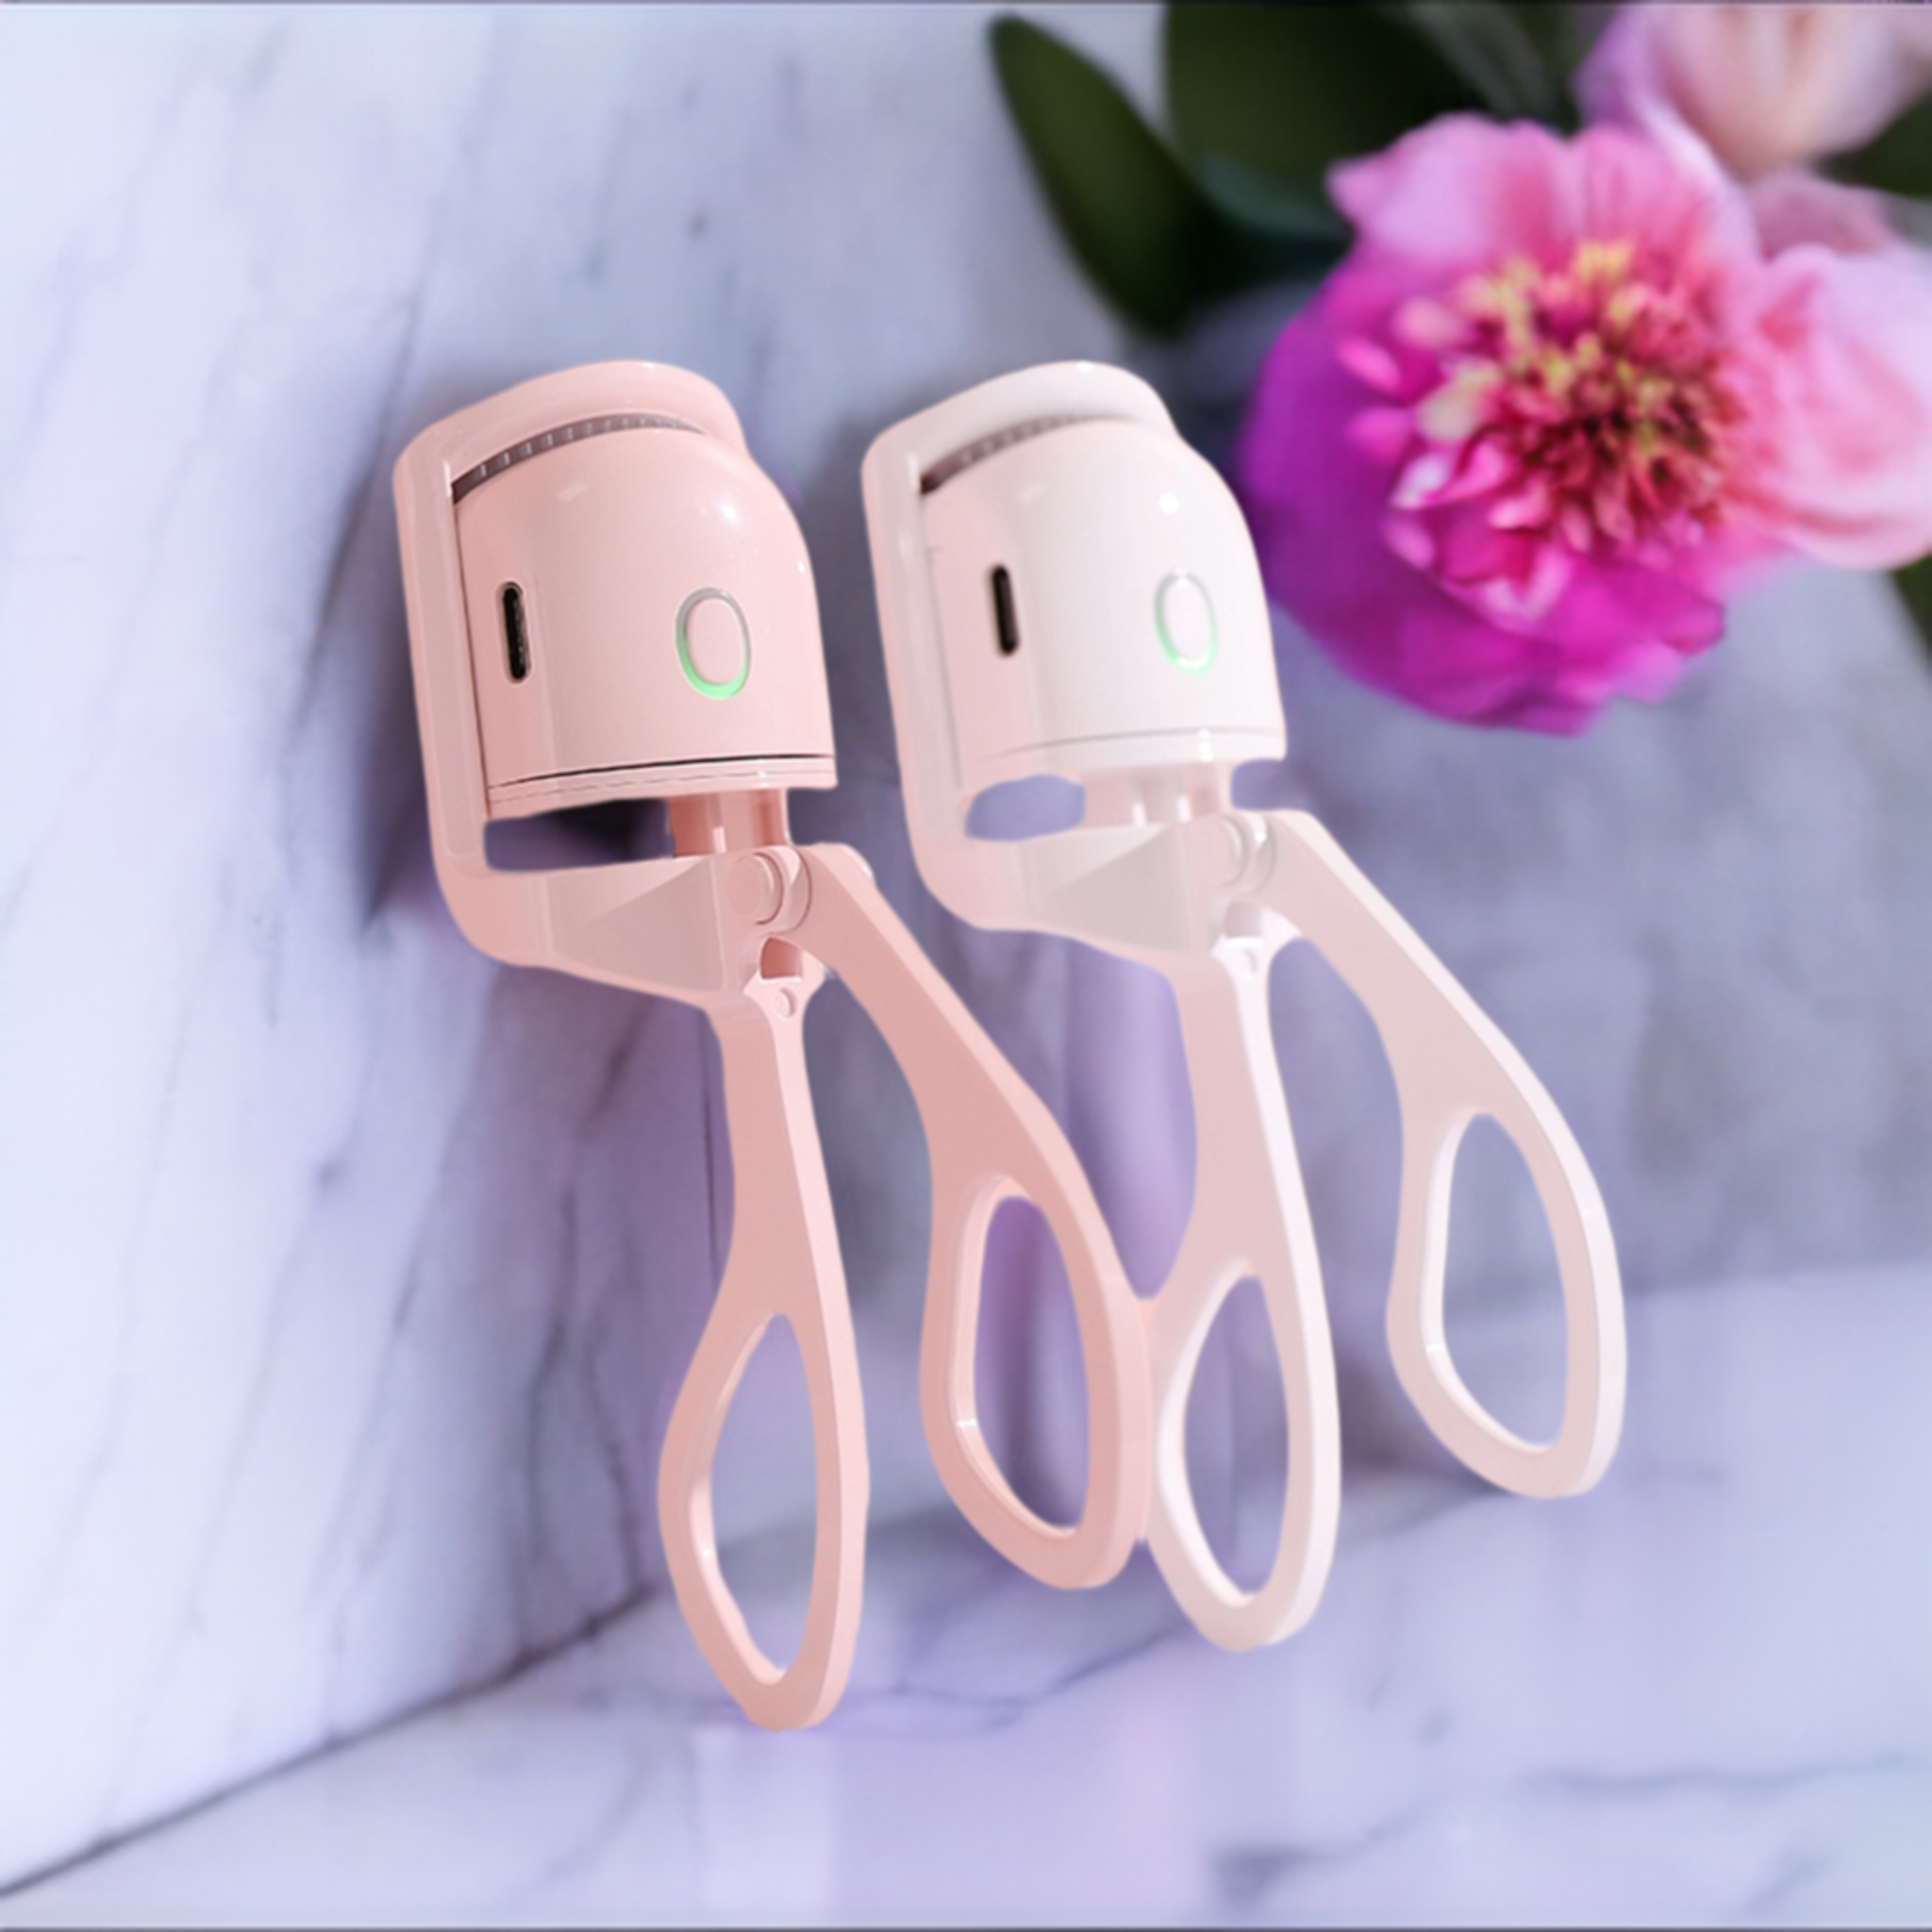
pixel 607 599
pixel 1065 588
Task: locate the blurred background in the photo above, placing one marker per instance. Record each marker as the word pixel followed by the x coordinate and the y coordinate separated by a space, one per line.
pixel 347 1278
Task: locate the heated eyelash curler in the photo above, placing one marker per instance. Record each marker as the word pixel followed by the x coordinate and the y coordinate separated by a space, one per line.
pixel 1066 589
pixel 607 599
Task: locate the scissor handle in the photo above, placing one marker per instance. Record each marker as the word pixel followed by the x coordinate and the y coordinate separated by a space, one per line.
pixel 990 1138
pixel 1451 1066
pixel 1250 1217
pixel 783 1261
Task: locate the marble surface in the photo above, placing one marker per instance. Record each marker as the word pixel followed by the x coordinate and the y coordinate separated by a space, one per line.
pixel 346 1279
pixel 1699 1696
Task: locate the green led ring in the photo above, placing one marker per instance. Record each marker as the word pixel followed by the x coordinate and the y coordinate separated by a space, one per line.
pixel 1194 666
pixel 692 677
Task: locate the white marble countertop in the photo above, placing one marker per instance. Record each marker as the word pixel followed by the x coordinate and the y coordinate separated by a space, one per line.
pixel 1699 1696
pixel 346 1279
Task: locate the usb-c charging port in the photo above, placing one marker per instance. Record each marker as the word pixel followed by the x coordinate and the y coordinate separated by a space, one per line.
pixel 516 637
pixel 1005 623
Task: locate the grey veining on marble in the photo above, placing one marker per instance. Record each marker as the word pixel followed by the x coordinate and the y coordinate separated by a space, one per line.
pixel 348 1279
pixel 345 1279
pixel 1699 1697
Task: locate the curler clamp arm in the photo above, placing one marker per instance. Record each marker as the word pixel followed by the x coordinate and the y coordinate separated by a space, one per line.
pixel 1250 1217
pixel 1451 1065
pixel 989 1138
pixel 783 1261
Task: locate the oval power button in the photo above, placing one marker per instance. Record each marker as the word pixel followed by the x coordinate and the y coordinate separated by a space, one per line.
pixel 713 643
pixel 1184 616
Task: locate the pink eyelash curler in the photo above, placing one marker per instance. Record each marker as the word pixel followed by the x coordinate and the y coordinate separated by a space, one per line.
pixel 1065 588
pixel 607 599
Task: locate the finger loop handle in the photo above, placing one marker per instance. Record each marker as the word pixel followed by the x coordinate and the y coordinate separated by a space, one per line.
pixel 990 1137
pixel 1452 1064
pixel 1250 1216
pixel 783 1261
pixel 1433 1133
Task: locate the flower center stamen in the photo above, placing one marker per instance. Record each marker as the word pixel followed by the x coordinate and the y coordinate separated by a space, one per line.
pixel 1588 398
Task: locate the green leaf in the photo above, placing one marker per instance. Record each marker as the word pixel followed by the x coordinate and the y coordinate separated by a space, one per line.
pixel 1914 583
pixel 1492 48
pixel 1238 255
pixel 1899 162
pixel 1134 217
pixel 1562 34
pixel 1122 201
pixel 1266 98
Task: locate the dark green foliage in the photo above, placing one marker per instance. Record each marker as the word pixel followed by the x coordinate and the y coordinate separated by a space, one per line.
pixel 1915 585
pixel 1132 213
pixel 1493 51
pixel 1562 36
pixel 1266 99
pixel 1900 161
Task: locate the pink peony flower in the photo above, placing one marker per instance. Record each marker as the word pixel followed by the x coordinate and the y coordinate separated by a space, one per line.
pixel 1557 401
pixel 1759 87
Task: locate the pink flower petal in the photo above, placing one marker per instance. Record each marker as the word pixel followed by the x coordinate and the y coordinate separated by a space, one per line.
pixel 1423 479
pixel 1370 362
pixel 1521 566
pixel 1847 398
pixel 1483 468
pixel 1426 324
pixel 1527 508
pixel 1317 502
pixel 1790 209
pixel 1382 434
pixel 1458 195
pixel 1758 87
pixel 1408 537
pixel 1453 413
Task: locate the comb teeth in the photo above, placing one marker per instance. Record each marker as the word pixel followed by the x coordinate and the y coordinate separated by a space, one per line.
pixel 555 439
pixel 948 467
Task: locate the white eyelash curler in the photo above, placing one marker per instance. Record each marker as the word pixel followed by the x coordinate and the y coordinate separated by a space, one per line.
pixel 607 599
pixel 1066 587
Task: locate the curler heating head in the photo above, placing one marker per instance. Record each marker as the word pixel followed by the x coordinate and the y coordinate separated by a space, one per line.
pixel 607 599
pixel 1098 606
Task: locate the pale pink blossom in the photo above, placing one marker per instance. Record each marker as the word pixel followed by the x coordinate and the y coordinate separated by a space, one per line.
pixel 1760 87
pixel 1793 207
pixel 1560 397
